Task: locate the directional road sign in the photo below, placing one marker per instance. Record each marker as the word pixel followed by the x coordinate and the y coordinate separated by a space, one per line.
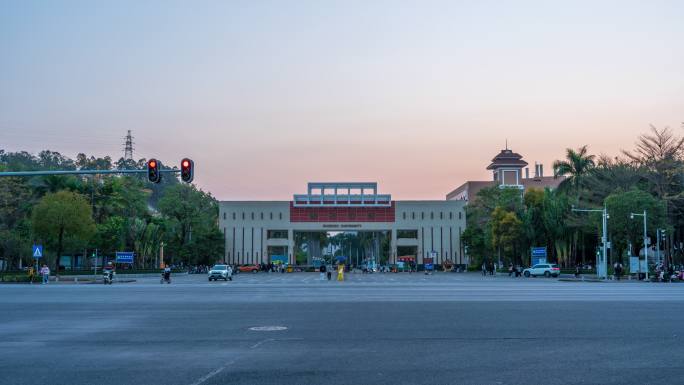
pixel 124 257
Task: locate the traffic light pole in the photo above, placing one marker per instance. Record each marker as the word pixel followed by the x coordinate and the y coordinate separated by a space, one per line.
pixel 645 215
pixel 603 273
pixel 77 172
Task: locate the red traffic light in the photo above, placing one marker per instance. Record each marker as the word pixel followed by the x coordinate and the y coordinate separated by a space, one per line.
pixel 187 170
pixel 153 172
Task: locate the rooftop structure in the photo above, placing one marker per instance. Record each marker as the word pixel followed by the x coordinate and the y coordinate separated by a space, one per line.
pixel 509 170
pixel 342 194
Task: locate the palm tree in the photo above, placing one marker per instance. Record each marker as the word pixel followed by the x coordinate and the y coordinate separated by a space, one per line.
pixel 576 166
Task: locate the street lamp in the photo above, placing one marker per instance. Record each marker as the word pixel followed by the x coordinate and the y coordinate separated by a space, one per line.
pixel 631 216
pixel 603 260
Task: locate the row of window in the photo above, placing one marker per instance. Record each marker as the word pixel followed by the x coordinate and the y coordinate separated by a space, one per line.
pixel 432 215
pixel 370 216
pixel 261 216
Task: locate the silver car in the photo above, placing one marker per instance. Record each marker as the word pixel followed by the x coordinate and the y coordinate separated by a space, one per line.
pixel 224 272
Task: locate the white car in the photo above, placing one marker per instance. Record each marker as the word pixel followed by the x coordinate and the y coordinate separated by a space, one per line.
pixel 545 269
pixel 224 272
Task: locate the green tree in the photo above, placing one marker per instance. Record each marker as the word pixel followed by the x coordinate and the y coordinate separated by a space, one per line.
pixel 506 230
pixel 624 230
pixel 190 217
pixel 577 165
pixel 63 219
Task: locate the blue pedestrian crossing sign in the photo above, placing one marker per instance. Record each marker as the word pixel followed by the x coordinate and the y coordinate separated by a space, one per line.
pixel 37 251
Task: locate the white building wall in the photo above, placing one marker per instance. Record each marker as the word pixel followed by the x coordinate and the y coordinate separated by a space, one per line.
pixel 245 225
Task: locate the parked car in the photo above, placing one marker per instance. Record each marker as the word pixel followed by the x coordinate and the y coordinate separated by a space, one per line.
pixel 545 269
pixel 249 268
pixel 224 272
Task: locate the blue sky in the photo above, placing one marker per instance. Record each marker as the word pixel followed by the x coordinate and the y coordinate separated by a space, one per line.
pixel 267 95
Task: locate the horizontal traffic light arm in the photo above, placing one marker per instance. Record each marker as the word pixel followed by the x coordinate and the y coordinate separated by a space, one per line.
pixel 78 172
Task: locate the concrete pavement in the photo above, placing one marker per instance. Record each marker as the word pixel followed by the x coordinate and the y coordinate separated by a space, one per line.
pixel 380 328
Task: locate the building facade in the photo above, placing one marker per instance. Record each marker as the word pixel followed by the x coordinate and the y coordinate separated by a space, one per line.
pixel 509 170
pixel 257 231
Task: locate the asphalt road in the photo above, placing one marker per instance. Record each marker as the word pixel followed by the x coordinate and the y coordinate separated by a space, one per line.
pixel 371 329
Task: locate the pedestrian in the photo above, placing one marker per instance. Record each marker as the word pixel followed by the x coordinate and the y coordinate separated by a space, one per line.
pixel 577 270
pixel 322 270
pixel 484 269
pixel 45 273
pixel 510 269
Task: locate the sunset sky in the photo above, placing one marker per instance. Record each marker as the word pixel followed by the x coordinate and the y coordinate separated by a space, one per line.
pixel 268 95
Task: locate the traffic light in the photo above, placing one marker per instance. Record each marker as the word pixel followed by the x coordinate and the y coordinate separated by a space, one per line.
pixel 187 170
pixel 153 174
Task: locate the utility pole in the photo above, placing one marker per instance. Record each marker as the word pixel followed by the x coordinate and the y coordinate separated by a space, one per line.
pixel 161 255
pixel 602 262
pixel 632 215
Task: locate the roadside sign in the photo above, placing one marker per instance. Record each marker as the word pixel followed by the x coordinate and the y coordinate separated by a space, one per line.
pixel 538 255
pixel 37 251
pixel 124 257
pixel 428 263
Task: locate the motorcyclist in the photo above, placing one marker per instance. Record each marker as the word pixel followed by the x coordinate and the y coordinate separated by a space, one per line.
pixel 167 273
pixel 109 271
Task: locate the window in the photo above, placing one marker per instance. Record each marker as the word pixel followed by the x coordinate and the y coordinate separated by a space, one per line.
pixel 432 215
pixel 410 234
pixel 233 216
pixel 459 215
pixel 252 216
pixel 243 216
pixel 441 215
pixel 404 216
pixel 271 216
pixel 451 215
pixel 224 216
pixel 413 215
pixel 262 216
pixel 280 216
pixel 422 215
pixel 276 234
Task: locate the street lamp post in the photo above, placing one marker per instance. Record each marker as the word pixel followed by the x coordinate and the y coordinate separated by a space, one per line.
pixel 603 273
pixel 632 215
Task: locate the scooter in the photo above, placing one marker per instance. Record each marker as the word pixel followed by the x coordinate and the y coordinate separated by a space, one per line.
pixel 165 277
pixel 108 277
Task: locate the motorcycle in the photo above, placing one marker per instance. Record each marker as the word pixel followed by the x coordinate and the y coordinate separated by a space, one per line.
pixel 165 277
pixel 108 277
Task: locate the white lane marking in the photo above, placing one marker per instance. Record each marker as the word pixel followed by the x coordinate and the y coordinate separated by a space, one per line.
pixel 267 328
pixel 204 378
pixel 261 342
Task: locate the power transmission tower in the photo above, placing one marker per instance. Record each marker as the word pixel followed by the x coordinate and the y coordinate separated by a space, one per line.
pixel 128 147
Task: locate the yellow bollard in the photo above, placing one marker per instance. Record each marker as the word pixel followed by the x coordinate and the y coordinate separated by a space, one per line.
pixel 340 272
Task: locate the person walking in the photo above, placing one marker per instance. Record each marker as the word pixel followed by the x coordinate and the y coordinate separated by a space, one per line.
pixel 45 273
pixel 484 269
pixel 322 270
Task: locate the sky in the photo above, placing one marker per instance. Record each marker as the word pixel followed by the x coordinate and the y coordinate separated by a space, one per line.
pixel 266 96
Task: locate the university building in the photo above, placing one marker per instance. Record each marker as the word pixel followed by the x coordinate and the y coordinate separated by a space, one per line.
pixel 258 231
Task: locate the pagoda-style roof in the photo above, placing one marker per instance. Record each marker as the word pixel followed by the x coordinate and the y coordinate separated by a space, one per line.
pixel 507 158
